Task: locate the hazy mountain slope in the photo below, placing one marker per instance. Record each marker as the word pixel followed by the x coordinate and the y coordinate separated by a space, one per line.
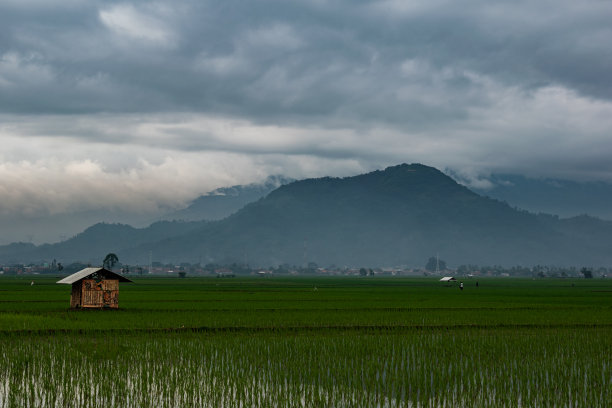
pixel 553 196
pixel 225 201
pixel 401 215
pixel 15 252
pixel 95 242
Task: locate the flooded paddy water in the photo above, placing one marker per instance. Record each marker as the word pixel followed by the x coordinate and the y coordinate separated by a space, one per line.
pixel 430 368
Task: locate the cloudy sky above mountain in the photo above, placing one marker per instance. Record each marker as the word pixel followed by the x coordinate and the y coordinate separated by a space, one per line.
pixel 143 105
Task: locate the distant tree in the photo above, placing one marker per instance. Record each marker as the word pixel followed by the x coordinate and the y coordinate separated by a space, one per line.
pixel 433 263
pixel 60 266
pixel 588 274
pixel 363 272
pixel 109 261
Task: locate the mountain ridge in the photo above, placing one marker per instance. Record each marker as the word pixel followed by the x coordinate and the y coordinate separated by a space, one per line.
pixel 565 198
pixel 422 219
pixel 397 216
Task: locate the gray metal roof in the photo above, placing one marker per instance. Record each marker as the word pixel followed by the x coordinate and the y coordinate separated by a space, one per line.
pixel 84 273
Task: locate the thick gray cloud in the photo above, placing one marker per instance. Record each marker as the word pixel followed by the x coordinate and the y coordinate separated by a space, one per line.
pixel 294 60
pixel 139 106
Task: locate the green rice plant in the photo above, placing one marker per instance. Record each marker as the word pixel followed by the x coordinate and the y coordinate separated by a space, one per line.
pixel 201 303
pixel 490 367
pixel 277 342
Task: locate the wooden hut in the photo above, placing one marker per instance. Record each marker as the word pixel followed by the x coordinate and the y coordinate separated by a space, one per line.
pixel 94 288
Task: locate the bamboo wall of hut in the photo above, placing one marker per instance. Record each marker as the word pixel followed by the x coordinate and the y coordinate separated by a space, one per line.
pixel 88 293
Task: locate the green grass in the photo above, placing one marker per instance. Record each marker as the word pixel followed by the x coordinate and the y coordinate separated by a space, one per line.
pixel 309 342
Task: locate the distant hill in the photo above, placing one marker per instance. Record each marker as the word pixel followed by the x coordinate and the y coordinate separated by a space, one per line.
pixel 553 196
pixel 95 242
pixel 225 201
pixel 398 216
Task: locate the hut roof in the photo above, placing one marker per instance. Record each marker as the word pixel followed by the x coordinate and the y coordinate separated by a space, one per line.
pixel 447 279
pixel 87 272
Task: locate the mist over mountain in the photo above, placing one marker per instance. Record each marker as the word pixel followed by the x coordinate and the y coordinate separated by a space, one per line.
pixel 398 216
pixel 225 201
pixel 51 228
pixel 565 198
pixel 56 228
pixel 87 247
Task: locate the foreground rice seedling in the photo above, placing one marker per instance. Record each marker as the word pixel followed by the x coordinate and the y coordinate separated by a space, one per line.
pixel 509 368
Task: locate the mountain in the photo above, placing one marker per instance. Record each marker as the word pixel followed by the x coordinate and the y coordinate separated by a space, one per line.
pixel 49 228
pixel 398 216
pixel 565 198
pixel 225 201
pixel 95 242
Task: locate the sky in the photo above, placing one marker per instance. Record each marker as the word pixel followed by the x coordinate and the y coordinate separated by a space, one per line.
pixel 125 110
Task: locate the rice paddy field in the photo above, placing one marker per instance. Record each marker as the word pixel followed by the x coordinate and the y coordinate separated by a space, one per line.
pixel 309 342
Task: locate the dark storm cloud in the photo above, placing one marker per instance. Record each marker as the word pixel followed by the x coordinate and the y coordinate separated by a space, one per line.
pixel 293 61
